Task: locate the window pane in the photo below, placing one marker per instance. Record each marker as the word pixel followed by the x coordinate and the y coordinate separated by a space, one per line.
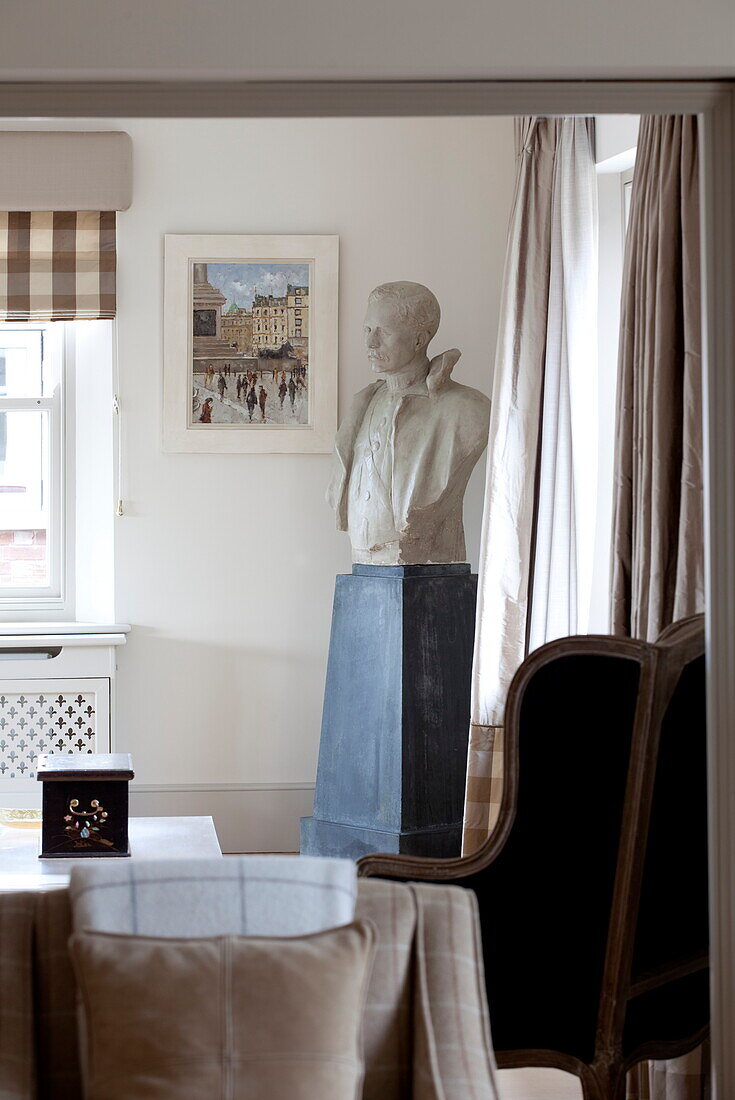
pixel 627 192
pixel 24 499
pixel 23 559
pixel 21 364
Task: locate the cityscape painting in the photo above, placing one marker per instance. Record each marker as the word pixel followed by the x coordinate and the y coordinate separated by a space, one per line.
pixel 250 344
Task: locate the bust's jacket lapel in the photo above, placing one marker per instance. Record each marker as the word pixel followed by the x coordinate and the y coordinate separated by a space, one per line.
pixel 344 447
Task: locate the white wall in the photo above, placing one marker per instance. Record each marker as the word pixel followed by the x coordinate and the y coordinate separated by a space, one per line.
pixel 616 137
pixel 609 284
pixel 326 39
pixel 225 564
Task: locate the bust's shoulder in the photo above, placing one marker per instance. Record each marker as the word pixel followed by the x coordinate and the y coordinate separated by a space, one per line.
pixel 351 423
pixel 464 399
pixel 361 400
pixel 367 392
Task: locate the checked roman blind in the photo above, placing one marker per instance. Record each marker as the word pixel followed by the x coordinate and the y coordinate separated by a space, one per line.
pixel 59 193
pixel 57 265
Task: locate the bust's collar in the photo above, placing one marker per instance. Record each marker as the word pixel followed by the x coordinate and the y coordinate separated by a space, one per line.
pixel 440 370
pixel 416 389
pixel 439 373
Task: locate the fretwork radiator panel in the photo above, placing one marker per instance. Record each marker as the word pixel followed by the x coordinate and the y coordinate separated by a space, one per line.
pixel 49 716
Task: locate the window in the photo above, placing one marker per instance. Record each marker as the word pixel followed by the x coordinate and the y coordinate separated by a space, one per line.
pixel 298 301
pixel 614 184
pixel 32 467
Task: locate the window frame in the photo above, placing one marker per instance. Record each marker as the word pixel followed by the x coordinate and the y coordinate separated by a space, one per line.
pixel 626 191
pixel 56 598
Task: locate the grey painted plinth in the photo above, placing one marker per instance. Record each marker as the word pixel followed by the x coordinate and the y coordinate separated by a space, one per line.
pixel 395 725
pixel 329 838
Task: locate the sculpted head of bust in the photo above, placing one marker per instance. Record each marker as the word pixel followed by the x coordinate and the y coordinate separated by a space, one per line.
pixel 406 449
pixel 401 320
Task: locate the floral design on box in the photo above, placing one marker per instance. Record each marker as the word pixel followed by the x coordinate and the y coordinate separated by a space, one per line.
pixel 84 828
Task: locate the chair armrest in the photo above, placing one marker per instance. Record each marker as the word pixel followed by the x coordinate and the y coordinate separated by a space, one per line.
pixel 410 868
pixel 432 869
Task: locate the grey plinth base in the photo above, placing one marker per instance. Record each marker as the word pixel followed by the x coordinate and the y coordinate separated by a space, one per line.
pixel 328 838
pixel 395 725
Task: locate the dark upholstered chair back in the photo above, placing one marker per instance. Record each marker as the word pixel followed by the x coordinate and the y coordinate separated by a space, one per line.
pixel 593 887
pixel 669 978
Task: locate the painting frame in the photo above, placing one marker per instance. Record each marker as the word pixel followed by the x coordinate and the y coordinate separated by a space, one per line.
pixel 183 434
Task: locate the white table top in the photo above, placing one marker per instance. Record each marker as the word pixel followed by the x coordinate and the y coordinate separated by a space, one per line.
pixel 150 838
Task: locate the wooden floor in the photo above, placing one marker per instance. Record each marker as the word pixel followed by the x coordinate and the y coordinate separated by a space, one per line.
pixel 538 1084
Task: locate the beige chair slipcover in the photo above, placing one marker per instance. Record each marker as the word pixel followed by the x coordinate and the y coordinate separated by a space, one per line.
pixel 427 1032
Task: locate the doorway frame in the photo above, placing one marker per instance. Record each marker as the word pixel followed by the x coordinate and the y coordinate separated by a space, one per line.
pixel 714 104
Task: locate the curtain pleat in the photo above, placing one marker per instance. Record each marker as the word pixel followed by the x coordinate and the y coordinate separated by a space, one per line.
pixel 563 542
pixel 658 533
pixel 658 537
pixel 540 476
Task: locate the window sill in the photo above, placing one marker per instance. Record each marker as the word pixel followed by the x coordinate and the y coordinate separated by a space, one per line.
pixel 78 634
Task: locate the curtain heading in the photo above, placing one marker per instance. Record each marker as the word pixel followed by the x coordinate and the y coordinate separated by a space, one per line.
pixel 57 266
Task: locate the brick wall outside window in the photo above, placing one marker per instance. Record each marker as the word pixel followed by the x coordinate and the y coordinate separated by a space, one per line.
pixel 23 562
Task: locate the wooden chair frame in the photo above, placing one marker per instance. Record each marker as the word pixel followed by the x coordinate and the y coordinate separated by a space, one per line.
pixel 661 665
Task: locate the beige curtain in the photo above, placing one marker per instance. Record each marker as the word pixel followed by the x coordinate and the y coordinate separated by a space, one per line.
pixel 539 494
pixel 658 549
pixel 686 1078
pixel 658 556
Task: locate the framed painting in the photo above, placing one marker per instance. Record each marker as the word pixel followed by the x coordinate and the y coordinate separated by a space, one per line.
pixel 250 343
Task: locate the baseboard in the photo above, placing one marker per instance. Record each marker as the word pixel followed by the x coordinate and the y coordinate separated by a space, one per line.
pixel 248 817
pixel 153 788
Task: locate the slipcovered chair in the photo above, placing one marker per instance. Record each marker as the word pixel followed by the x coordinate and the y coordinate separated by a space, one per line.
pixel 593 887
pixel 425 1024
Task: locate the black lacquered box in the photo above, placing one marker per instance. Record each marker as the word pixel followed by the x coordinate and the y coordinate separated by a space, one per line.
pixel 85 804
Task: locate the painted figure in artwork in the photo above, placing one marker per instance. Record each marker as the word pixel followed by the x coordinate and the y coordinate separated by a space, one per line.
pixel 405 451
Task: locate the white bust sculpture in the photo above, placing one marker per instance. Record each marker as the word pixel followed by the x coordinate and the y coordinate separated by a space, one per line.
pixel 405 451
